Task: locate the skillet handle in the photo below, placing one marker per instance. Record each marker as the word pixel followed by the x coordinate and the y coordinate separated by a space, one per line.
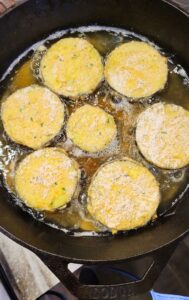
pixel 114 291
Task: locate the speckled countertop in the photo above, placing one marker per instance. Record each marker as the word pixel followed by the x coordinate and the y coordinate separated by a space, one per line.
pixel 32 277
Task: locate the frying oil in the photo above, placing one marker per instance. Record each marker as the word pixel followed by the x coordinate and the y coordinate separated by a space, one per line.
pixel 75 219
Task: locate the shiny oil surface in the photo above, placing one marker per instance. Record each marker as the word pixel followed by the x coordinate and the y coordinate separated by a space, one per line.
pixel 74 219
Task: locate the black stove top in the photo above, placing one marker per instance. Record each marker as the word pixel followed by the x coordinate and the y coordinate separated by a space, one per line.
pixel 174 279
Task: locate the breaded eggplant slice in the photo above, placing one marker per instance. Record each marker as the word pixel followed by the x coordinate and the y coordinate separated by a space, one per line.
pixel 162 135
pixel 123 195
pixel 47 179
pixel 72 67
pixel 91 128
pixel 32 116
pixel 136 70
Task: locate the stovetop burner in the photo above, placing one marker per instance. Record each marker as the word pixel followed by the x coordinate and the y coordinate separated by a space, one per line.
pixel 173 280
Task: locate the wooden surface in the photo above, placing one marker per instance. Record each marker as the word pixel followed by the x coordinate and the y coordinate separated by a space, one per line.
pixel 5 4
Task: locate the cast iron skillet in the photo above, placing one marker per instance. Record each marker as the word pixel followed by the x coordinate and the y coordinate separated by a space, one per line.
pixel 21 27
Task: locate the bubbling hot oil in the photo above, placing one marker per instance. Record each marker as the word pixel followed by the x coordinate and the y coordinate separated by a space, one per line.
pixel 75 218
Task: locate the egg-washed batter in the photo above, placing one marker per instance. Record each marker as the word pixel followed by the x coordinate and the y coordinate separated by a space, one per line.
pixel 47 179
pixel 162 135
pixel 72 67
pixel 123 195
pixel 91 128
pixel 32 116
pixel 75 217
pixel 136 70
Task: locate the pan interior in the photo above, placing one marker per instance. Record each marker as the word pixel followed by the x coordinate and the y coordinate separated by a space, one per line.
pixel 31 22
pixel 74 219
